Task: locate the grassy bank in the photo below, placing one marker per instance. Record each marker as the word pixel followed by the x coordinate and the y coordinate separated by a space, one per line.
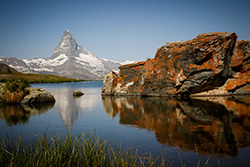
pixel 73 150
pixel 35 78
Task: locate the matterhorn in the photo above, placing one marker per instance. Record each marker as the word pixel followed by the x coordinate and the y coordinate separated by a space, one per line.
pixel 68 59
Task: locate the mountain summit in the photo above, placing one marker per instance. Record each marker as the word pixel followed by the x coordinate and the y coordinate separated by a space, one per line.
pixel 67 44
pixel 75 61
pixel 69 60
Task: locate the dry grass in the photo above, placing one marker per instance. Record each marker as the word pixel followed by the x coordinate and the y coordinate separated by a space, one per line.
pixel 13 97
pixel 14 91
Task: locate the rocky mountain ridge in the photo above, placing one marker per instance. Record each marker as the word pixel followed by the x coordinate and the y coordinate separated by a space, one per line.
pixel 69 59
pixel 210 64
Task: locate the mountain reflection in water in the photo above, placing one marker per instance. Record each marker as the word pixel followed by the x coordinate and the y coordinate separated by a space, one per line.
pixel 15 114
pixel 211 126
pixel 69 107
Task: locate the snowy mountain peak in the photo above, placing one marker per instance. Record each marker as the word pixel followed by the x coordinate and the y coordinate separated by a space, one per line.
pixel 69 59
pixel 66 32
pixel 67 35
pixel 67 45
pixel 69 54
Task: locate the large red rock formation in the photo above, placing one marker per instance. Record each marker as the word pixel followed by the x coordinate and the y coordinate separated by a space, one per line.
pixel 207 62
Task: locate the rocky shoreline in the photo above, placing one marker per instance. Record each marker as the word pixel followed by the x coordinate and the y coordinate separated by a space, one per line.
pixel 212 64
pixel 31 95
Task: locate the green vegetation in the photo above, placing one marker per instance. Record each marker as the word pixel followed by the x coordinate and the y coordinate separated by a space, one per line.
pixel 72 150
pixel 16 85
pixel 35 78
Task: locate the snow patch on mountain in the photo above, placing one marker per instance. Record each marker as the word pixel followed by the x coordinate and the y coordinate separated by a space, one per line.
pixel 61 59
pixel 110 60
pixel 126 62
pixel 119 62
pixel 42 70
pixel 37 61
pixel 90 59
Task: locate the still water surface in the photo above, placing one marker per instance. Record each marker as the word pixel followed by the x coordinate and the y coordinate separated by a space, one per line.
pixel 217 128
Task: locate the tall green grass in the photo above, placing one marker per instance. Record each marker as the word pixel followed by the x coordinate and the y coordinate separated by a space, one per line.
pixel 71 150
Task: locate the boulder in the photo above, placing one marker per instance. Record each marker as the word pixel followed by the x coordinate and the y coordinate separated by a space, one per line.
pixel 38 95
pixel 77 93
pixel 179 68
pixel 109 83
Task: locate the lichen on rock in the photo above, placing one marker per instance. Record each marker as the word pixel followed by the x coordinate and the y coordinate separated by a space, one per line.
pixel 239 82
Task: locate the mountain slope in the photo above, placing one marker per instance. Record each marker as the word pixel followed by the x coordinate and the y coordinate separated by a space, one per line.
pixel 68 59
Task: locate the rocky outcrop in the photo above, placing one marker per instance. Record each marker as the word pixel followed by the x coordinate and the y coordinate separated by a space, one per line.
pixel 38 95
pixel 211 61
pixel 29 96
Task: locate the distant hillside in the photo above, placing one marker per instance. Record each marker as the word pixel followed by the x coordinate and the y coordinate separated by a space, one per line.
pixel 31 78
pixel 4 68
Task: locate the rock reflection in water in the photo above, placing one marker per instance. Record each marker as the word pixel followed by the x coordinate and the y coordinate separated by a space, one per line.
pixel 211 126
pixel 15 114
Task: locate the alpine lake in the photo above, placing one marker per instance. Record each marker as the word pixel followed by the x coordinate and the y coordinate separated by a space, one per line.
pixel 215 129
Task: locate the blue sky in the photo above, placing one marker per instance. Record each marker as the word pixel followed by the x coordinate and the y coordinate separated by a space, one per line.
pixel 114 29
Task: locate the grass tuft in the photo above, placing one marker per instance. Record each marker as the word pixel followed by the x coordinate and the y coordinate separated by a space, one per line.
pixel 14 91
pixel 13 97
pixel 71 150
